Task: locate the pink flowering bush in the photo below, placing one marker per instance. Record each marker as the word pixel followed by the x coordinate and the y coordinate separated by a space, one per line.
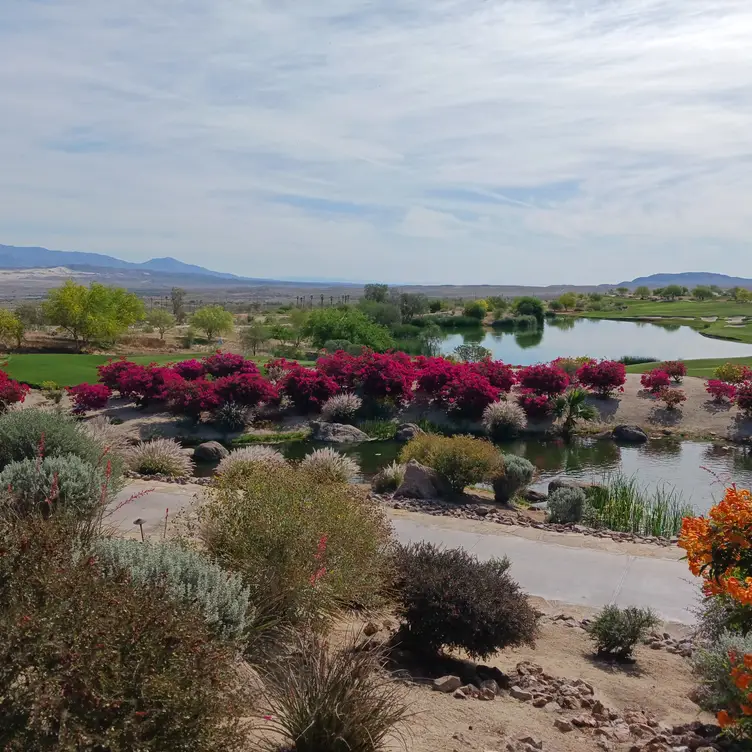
pixel 247 389
pixel 342 367
pixel 535 405
pixel 385 377
pixel 602 377
pixel 193 397
pixel 721 391
pixel 89 397
pixel 655 380
pixel 744 397
pixel 223 364
pixel 189 369
pixel 499 374
pixel 308 389
pixel 11 391
pixel 146 384
pixel 675 369
pixel 468 394
pixel 109 373
pixel 433 375
pixel 671 398
pixel 544 379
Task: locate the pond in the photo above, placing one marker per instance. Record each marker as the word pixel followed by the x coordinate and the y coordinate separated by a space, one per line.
pixel 567 336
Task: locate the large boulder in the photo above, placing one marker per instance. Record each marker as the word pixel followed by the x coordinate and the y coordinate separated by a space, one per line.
pixel 421 482
pixel 630 434
pixel 408 431
pixel 209 451
pixel 337 433
pixel 557 483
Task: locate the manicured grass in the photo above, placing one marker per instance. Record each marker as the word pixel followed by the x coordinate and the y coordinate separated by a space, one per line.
pixel 702 368
pixel 669 309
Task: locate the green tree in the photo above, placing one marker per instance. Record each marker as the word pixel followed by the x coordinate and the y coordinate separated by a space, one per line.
pixel 436 305
pixel 702 292
pixel 30 314
pixel 555 305
pixel 622 292
pixel 386 314
pixel 213 320
pixel 177 295
pixel 568 300
pixel 529 306
pixel 412 304
pixel 643 291
pixel 162 320
pixel 11 328
pixel 349 324
pixel 572 407
pixel 674 291
pixel 298 318
pixel 430 339
pixel 376 293
pixel 253 337
pixel 281 332
pixel 92 314
pixel 476 309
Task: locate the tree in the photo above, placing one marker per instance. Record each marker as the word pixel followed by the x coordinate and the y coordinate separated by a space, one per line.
pixel 92 314
pixel 412 304
pixel 254 336
pixel 177 294
pixel 376 293
pixel 11 328
pixel 349 324
pixel 743 296
pixel 643 291
pixel 476 309
pixel 298 318
pixel 213 320
pixel 386 314
pixel 572 407
pixel 555 306
pixel 30 314
pixel 529 306
pixel 162 320
pixel 622 291
pixel 568 300
pixel 702 292
pixel 674 291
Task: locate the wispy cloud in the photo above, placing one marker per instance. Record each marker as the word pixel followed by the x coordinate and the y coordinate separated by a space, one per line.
pixel 442 141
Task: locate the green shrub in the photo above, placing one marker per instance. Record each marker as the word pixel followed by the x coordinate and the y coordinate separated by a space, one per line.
pixel 65 484
pixel 329 466
pixel 113 440
pixel 721 614
pixel 248 460
pixel 186 575
pixel 616 631
pixel 305 548
pixel 712 667
pixel 232 416
pixel 515 475
pixel 333 700
pixel 89 662
pixel 566 505
pixel 389 478
pixel 460 460
pixel 449 599
pixel 52 391
pixel 732 373
pixel 503 420
pixel 161 457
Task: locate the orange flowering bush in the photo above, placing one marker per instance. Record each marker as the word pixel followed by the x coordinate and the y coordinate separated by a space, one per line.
pixel 719 549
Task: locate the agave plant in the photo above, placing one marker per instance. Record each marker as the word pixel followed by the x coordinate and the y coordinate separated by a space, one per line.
pixel 572 407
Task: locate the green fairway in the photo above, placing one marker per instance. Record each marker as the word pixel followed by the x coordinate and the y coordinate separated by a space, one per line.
pixel 672 309
pixel 703 368
pixel 68 369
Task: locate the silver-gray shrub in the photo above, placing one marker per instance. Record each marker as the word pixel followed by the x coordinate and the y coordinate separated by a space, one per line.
pixel 712 668
pixel 341 408
pixel 567 505
pixel 518 472
pixel 503 420
pixel 189 577
pixel 389 478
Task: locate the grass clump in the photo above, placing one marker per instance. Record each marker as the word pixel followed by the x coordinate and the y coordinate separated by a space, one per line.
pixel 389 478
pixel 567 505
pixel 514 476
pixel 161 457
pixel 503 420
pixel 615 631
pixel 280 437
pixel 449 599
pixel 460 460
pixel 379 429
pixel 341 408
pixel 329 466
pixel 248 460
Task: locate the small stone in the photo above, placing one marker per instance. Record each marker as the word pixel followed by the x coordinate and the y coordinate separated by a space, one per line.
pixel 370 629
pixel 447 684
pixel 535 743
pixel 486 694
pixel 468 689
pixel 520 694
pixel 563 726
pixel 458 694
pixel 584 721
pixel 541 702
pixel 490 685
pixel 552 707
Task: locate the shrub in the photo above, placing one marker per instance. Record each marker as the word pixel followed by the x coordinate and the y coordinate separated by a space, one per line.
pixel 110 372
pixel 62 484
pixel 336 700
pixel 616 631
pixel 147 384
pixel 251 459
pixel 341 408
pixel 499 374
pixel 570 366
pixel 277 368
pixel 329 466
pixel 231 416
pixel 720 391
pixel 302 548
pixel 543 379
pixel 341 366
pixel 476 309
pixel 460 460
pixel 89 397
pixel 467 394
pixel 732 373
pixel 387 377
pixel 566 505
pixel 190 369
pixel 221 364
pixel 112 440
pixel 655 380
pixel 535 406
pixel 105 665
pixel 744 397
pixel 244 388
pixel 471 353
pixel 389 478
pixel 449 599
pixel 187 576
pixel 516 474
pixel 676 369
pixel 52 391
pixel 11 391
pixel 351 324
pixel 671 398
pixel 503 420
pixel 161 457
pixel 602 377
pixel 713 668
pixel 191 398
pixel 308 389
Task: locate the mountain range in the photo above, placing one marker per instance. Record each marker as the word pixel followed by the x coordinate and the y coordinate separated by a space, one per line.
pixel 689 279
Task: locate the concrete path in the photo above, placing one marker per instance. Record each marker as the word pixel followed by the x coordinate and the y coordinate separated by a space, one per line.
pixel 559 572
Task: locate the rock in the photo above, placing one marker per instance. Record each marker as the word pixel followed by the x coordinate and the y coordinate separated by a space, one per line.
pixel 447 684
pixel 563 726
pixel 421 482
pixel 534 497
pixel 469 690
pixel 490 685
pixel 486 694
pixel 520 694
pixel 630 434
pixel 530 742
pixel 584 721
pixel 458 694
pixel 558 483
pixel 209 451
pixel 370 629
pixel 491 672
pixel 407 431
pixel 337 433
pixel 552 707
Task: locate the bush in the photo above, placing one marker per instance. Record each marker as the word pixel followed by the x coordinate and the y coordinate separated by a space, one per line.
pixel 516 474
pixel 676 369
pixel 655 380
pixel 338 700
pixel 499 374
pixel 52 392
pixel 342 408
pixel 308 389
pixel 671 398
pixel 386 377
pixel 110 372
pixel 744 397
pixel 460 460
pixel 476 309
pixel 87 397
pixel 447 599
pixel 713 668
pixel 248 460
pixel 467 394
pixel 11 391
pixel 544 379
pixel 147 384
pixel 503 420
pixel 192 398
pixel 329 466
pixel 566 505
pixel 61 484
pixel 231 416
pixel 221 364
pixel 389 478
pixel 161 457
pixel 616 631
pixel 602 377
pixel 570 366
pixel 188 577
pixel 732 373
pixel 89 662
pixel 535 406
pixel 350 324
pixel 249 389
pixel 303 549
pixel 190 369
pixel 720 391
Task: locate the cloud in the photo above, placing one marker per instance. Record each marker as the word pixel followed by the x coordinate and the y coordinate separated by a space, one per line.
pixel 515 141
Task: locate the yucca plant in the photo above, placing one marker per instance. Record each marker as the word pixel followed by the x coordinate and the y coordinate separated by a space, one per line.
pixel 572 407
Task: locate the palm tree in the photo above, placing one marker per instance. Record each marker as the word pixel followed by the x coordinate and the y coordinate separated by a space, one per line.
pixel 572 406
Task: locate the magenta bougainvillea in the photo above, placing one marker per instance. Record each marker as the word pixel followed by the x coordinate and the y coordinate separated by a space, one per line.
pixel 744 397
pixel 544 379
pixel 676 369
pixel 146 385
pixel 307 388
pixel 468 394
pixel 499 375
pixel 224 364
pixel 109 373
pixel 342 367
pixel 433 374
pixel 193 397
pixel 11 391
pixel 602 377
pixel 189 369
pixel 248 389
pixel 385 377
pixel 87 397
pixel 655 380
pixel 535 405
pixel 721 391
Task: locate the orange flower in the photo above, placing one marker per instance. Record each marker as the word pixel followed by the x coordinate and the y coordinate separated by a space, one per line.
pixel 724 719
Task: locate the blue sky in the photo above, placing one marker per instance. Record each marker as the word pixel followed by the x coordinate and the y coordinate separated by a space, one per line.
pixel 422 141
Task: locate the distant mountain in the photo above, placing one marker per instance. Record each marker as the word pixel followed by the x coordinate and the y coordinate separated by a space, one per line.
pixel 688 279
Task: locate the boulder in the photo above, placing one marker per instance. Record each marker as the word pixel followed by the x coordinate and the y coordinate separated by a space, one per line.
pixel 558 483
pixel 407 431
pixel 209 451
pixel 421 482
pixel 629 434
pixel 533 496
pixel 447 684
pixel 563 726
pixel 520 694
pixel 337 433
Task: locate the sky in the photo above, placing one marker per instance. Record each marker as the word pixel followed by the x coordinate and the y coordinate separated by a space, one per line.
pixel 414 141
